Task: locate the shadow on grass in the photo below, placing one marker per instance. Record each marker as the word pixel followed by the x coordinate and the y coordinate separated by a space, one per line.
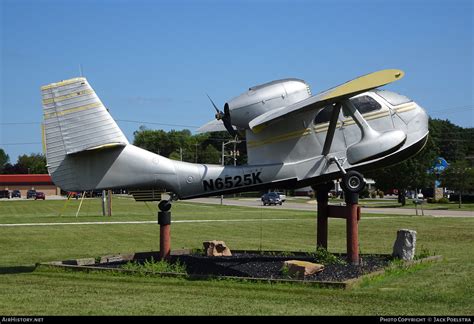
pixel 17 269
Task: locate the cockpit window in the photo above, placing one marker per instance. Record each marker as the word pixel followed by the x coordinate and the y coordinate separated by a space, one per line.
pixel 364 104
pixel 392 98
pixel 324 115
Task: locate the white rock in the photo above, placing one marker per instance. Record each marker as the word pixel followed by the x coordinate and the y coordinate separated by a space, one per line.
pixel 404 247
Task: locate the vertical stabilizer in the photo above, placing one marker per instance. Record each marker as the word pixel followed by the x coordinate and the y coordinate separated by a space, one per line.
pixel 75 120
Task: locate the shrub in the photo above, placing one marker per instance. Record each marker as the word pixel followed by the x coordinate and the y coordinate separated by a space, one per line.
pixel 380 193
pixel 153 267
pixel 364 193
pixel 325 257
pixel 443 201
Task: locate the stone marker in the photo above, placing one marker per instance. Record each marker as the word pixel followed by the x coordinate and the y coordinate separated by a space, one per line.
pixel 302 268
pixel 216 248
pixel 80 262
pixel 404 247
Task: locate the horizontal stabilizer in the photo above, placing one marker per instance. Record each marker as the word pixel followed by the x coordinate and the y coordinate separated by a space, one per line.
pixel 339 93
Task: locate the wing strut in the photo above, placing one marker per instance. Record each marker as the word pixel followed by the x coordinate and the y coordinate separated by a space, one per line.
pixel 332 128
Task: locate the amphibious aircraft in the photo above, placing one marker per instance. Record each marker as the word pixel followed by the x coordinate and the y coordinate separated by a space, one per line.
pixel 293 139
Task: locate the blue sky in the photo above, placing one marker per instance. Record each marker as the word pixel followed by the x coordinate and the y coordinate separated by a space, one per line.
pixel 154 61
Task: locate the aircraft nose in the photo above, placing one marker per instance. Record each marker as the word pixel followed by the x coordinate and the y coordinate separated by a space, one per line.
pixel 421 119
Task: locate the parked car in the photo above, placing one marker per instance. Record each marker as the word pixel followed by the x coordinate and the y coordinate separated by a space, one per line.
pixel 271 198
pixel 30 194
pixel 40 195
pixel 4 194
pixel 16 194
pixel 282 196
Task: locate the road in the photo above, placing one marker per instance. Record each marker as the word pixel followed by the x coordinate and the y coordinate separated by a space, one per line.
pixel 311 206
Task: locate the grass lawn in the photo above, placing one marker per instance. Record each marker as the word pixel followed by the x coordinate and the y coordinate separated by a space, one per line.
pixel 443 288
pixel 393 203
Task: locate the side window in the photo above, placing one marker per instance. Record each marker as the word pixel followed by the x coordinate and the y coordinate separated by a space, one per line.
pixel 324 115
pixel 364 104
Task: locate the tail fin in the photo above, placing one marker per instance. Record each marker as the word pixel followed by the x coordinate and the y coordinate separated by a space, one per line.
pixel 75 120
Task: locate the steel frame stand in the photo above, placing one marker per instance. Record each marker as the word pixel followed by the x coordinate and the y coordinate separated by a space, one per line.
pixel 350 212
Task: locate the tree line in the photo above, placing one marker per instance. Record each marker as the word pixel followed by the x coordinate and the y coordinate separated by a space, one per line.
pixel 454 143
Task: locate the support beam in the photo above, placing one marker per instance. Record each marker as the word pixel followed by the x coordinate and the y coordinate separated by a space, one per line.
pixel 351 212
pixel 322 227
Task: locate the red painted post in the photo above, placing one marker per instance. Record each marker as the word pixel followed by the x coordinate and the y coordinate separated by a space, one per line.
pixel 164 219
pixel 352 230
pixel 322 229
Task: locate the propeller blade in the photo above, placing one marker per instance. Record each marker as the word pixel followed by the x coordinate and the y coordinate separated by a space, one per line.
pixel 215 107
pixel 225 119
pixel 229 127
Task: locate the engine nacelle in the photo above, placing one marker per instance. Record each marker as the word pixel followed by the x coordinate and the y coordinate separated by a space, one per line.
pixel 262 98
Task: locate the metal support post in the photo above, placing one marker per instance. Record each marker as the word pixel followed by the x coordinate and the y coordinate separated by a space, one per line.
pixel 322 227
pixel 352 227
pixel 164 219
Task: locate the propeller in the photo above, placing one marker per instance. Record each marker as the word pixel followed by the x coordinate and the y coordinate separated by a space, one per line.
pixel 225 117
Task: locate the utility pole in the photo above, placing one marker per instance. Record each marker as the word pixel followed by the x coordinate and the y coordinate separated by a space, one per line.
pixel 109 202
pixel 234 141
pixel 235 153
pixel 222 161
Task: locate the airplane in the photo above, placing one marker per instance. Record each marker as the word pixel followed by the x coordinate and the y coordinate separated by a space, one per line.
pixel 294 139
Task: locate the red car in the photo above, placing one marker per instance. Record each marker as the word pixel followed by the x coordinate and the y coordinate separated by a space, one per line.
pixel 40 195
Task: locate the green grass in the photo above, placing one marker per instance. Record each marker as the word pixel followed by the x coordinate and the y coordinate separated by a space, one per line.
pixel 442 288
pixel 393 203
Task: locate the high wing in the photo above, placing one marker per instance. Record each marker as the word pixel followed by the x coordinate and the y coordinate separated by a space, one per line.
pixel 333 95
pixel 213 126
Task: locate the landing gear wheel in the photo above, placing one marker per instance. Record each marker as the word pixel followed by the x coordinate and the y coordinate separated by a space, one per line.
pixel 164 205
pixel 353 182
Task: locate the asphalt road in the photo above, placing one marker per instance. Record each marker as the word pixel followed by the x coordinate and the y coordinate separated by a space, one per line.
pixel 311 206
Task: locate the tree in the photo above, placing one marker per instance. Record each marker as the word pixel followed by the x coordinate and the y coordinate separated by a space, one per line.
pixel 4 160
pixel 408 174
pixel 445 139
pixel 210 155
pixel 177 145
pixel 34 163
pixel 453 142
pixel 459 176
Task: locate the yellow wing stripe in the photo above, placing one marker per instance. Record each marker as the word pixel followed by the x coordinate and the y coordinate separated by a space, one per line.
pixel 324 127
pixel 368 81
pixel 280 138
pixel 72 110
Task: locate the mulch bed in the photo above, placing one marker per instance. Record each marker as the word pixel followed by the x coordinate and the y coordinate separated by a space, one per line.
pixel 248 265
